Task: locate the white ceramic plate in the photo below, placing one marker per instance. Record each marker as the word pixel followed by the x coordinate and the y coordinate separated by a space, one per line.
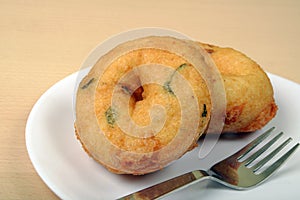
pixel 63 165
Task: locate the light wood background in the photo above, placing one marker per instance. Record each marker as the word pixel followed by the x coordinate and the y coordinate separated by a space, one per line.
pixel 41 42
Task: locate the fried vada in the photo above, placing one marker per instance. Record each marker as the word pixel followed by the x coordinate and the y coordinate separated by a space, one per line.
pixel 249 102
pixel 249 92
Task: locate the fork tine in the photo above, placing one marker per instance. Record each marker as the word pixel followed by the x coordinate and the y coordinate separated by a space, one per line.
pixel 254 143
pixel 249 160
pixel 270 155
pixel 279 162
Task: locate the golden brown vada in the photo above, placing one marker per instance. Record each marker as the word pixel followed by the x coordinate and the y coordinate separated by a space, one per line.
pixel 98 118
pixel 249 93
pixel 249 99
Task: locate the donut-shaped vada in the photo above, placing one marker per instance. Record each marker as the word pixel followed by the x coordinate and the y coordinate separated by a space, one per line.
pixel 146 103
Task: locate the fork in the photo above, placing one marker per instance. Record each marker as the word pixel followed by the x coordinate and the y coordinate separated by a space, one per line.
pixel 235 171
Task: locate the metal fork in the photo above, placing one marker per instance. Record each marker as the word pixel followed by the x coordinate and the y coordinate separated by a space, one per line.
pixel 234 172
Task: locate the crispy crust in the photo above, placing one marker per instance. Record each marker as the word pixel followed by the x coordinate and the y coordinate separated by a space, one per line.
pixel 262 119
pixel 90 154
pixel 250 101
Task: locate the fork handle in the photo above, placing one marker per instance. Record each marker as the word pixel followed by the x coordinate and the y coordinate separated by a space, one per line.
pixel 167 186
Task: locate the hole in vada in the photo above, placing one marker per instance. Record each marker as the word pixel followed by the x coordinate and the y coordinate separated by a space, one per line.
pixel 138 94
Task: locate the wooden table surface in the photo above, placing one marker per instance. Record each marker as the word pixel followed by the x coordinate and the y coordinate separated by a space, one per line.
pixel 41 42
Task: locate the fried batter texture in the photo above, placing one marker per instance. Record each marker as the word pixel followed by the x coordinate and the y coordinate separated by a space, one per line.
pixel 249 93
pixel 249 99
